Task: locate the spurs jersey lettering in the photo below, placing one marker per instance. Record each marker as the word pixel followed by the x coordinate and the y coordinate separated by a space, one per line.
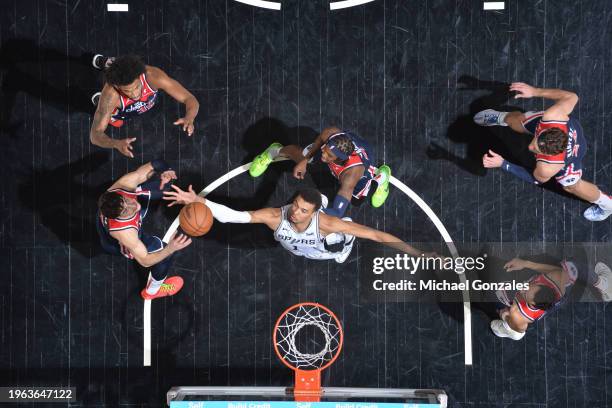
pixel 309 244
pixel 134 222
pixel 130 107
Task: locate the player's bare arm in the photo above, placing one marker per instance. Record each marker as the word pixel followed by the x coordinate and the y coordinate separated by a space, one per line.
pixel 109 100
pixel 329 224
pixel 269 216
pixel 348 181
pixel 565 101
pixel 518 264
pixel 129 239
pixel 545 171
pixel 300 168
pixel 160 80
pixel 135 178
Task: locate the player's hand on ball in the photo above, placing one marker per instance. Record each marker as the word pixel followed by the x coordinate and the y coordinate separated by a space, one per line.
pixel 187 125
pixel 166 177
pixel 515 264
pixel 522 90
pixel 179 196
pixel 299 171
pixel 178 242
pixel 125 146
pixel 492 160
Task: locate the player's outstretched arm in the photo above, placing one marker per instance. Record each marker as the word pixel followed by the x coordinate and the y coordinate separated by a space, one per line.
pixel 517 264
pixel 129 239
pixel 109 99
pixel 331 224
pixel 135 178
pixel 172 87
pixel 565 101
pixel 299 170
pixel 222 213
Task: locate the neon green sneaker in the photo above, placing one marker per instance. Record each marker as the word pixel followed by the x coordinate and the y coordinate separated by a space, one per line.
pixel 262 161
pixel 382 191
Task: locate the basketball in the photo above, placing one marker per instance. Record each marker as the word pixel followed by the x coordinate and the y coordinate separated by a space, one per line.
pixel 195 219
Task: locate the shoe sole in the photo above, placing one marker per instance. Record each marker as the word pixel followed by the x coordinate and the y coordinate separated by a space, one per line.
pixel 384 191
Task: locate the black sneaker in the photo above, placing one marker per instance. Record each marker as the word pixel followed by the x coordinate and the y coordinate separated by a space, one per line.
pixel 100 61
pixel 95 98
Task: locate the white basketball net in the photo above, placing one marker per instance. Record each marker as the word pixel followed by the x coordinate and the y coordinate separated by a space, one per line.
pixel 297 319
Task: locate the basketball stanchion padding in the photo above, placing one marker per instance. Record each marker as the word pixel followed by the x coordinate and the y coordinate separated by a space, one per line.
pixel 301 326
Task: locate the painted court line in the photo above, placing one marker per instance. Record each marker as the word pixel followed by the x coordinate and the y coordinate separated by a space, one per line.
pixel 272 5
pixel 347 3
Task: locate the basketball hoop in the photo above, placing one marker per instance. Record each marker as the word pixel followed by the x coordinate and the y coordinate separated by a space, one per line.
pixel 305 326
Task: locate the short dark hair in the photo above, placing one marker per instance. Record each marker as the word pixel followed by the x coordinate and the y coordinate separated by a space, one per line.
pixel 344 143
pixel 124 70
pixel 552 141
pixel 310 195
pixel 544 298
pixel 110 204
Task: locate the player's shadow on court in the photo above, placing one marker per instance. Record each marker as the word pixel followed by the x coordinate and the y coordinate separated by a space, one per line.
pixel 45 73
pixel 63 205
pixel 268 130
pixel 478 139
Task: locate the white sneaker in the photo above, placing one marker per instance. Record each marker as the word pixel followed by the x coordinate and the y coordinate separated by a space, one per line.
pixel 596 213
pixel 348 248
pixel 605 278
pixel 501 329
pixel 490 117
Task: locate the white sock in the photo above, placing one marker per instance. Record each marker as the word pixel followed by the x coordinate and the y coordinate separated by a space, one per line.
pixel 274 151
pixel 154 285
pixel 604 201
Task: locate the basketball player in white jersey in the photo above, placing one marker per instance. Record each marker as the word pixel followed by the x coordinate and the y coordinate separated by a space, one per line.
pixel 300 227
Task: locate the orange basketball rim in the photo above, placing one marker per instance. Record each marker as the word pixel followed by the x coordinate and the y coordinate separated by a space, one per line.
pixel 307 365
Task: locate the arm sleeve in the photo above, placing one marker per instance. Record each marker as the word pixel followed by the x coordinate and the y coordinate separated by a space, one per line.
pixel 519 172
pixel 225 214
pixel 339 207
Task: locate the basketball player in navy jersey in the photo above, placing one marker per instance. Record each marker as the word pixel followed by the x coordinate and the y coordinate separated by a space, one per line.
pixel 558 144
pixel 300 227
pixel 121 211
pixel 547 291
pixel 348 158
pixel 131 88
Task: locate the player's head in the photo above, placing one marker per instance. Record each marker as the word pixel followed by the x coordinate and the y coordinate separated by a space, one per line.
pixel 542 297
pixel 338 148
pixel 551 141
pixel 306 203
pixel 124 75
pixel 113 205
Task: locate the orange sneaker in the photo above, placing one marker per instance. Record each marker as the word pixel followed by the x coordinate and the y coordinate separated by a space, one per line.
pixel 170 287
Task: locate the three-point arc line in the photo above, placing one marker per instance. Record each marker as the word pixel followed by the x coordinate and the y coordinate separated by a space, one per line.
pixel 467 320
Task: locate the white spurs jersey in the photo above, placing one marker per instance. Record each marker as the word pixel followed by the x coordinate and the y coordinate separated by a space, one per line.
pixel 309 243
